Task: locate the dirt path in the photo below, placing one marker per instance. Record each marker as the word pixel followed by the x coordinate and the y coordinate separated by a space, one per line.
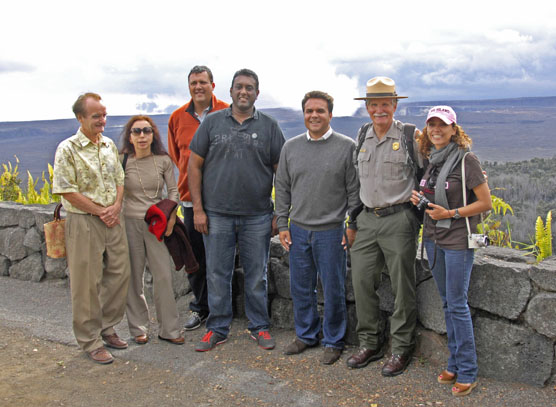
pixel 40 365
pixel 38 372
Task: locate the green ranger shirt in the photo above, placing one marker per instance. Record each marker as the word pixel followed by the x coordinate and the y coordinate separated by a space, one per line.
pixel 385 174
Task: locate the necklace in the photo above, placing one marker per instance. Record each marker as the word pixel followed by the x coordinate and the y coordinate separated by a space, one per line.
pixel 141 182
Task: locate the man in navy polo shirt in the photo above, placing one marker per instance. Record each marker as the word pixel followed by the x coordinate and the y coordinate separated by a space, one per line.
pixel 234 155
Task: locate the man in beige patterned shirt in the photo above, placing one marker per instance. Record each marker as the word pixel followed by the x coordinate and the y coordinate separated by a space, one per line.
pixel 90 178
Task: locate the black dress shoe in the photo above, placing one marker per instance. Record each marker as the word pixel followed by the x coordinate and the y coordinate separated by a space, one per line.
pixel 195 320
pixel 396 365
pixel 363 357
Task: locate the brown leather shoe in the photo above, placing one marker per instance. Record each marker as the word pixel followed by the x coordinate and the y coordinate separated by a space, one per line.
pixel 296 347
pixel 141 339
pixel 331 355
pixel 100 355
pixel 174 341
pixel 363 357
pixel 114 341
pixel 396 365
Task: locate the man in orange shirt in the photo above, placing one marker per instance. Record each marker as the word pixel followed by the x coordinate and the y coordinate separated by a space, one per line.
pixel 182 126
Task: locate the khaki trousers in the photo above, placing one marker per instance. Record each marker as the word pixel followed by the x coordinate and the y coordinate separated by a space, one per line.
pixel 144 246
pixel 389 241
pixel 98 262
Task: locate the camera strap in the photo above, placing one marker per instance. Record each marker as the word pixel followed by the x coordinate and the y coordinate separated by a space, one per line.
pixel 464 189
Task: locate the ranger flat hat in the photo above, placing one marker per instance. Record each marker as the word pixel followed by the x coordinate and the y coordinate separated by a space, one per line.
pixel 381 87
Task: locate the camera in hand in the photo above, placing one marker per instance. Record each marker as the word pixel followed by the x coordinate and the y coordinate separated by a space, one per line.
pixel 423 203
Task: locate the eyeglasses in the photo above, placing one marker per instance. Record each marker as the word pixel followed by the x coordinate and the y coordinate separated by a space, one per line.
pixel 146 130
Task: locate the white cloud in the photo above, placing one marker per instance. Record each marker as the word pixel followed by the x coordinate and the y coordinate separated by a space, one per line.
pixel 139 52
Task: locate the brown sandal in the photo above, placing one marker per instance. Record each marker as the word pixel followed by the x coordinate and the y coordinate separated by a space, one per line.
pixel 463 389
pixel 446 377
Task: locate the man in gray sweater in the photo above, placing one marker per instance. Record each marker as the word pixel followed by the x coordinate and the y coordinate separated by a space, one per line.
pixel 316 183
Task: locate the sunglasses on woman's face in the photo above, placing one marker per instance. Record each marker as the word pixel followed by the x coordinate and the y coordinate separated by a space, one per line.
pixel 146 130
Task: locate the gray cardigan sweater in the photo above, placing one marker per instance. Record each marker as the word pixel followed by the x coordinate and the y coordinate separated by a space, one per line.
pixel 316 182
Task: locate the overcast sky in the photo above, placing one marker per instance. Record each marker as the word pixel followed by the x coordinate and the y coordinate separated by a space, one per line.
pixel 137 54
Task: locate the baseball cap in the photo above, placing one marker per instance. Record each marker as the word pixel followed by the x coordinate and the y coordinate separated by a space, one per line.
pixel 444 113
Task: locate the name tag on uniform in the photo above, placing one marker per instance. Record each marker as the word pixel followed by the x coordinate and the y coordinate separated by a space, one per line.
pixel 363 150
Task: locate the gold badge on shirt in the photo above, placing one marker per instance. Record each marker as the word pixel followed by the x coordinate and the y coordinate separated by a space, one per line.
pixel 395 146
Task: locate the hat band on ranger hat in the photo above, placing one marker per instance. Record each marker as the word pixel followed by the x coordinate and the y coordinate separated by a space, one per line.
pixel 380 95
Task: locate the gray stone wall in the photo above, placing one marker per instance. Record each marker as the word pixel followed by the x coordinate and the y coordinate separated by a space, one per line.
pixel 513 302
pixel 22 246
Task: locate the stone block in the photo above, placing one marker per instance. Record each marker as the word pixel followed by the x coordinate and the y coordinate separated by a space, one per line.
pixel 44 215
pixel 541 314
pixel 9 214
pixel 148 290
pixel 544 274
pixel 320 291
pixel 238 297
pixel 26 218
pixel 183 304
pixel 32 241
pixel 385 295
pixel 422 271
pixel 55 268
pixel 180 283
pixel 279 278
pixel 512 353
pixel 4 266
pixel 281 311
pixel 431 346
pixel 11 243
pixel 504 254
pixel 147 276
pixel 270 282
pixel 276 248
pixel 429 307
pixel 350 296
pixel 351 331
pixel 29 269
pixel 499 287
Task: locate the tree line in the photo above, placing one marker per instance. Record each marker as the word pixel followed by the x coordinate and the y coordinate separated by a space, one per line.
pixel 530 189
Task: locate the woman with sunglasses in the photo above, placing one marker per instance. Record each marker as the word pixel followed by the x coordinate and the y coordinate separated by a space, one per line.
pixel 444 143
pixel 148 169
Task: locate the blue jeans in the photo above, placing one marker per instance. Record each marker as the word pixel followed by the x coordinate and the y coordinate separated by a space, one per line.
pixel 321 253
pixel 252 234
pixel 452 273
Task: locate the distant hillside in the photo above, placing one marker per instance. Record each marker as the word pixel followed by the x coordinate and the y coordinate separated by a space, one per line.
pixel 502 129
pixel 529 187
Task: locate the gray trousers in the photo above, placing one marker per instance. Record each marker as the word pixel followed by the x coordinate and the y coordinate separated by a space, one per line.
pixel 143 247
pixel 389 241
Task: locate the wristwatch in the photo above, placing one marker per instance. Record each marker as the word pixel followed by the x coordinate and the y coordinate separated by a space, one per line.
pixel 456 214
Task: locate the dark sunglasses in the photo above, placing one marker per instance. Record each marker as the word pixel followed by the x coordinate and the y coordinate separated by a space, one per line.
pixel 146 130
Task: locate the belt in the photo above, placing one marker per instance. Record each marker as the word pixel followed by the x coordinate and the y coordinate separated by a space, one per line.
pixel 389 210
